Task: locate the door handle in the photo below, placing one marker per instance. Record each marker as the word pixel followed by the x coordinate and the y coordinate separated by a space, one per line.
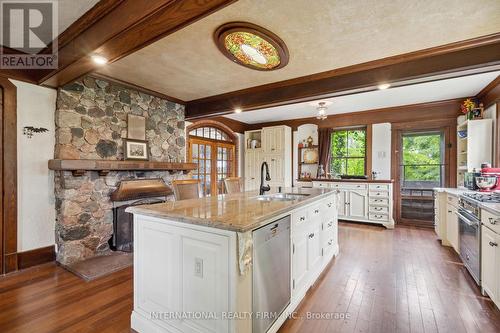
pixel 311 235
pixel 492 221
pixel 493 244
pixel 316 211
pixel 302 218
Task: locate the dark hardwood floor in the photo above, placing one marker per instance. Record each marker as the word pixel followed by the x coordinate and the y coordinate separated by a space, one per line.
pixel 385 281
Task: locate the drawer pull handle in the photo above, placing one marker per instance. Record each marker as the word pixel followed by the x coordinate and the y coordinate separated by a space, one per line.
pixel 316 211
pixel 493 244
pixel 330 224
pixel 302 218
pixel 492 221
pixel 311 235
pixel 330 242
pixel 329 205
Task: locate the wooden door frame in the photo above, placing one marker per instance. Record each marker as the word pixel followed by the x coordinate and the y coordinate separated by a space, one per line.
pixel 448 127
pixel 8 177
pixel 213 167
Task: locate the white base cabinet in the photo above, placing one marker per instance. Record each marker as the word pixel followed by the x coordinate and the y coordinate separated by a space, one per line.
pixel 363 202
pixel 490 256
pixel 184 271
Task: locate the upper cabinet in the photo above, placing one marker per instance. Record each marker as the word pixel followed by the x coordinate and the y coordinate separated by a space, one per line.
pixel 474 146
pixel 274 146
pixel 273 139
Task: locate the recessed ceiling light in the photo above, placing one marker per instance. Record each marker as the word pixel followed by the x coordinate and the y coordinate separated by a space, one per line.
pixel 98 59
pixel 238 110
pixel 383 86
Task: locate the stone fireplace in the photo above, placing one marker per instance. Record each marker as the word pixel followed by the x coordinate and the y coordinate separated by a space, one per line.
pixel 91 121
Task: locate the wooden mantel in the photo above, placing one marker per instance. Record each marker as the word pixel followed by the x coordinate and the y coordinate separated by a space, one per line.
pixel 103 167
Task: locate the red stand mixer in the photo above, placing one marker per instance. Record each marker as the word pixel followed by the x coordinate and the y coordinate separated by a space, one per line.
pixel 489 181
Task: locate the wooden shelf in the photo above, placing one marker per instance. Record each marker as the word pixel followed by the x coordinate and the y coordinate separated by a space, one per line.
pixel 103 167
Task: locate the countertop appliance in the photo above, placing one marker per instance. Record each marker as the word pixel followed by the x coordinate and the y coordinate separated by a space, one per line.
pixel 470 180
pixel 488 181
pixel 271 273
pixel 469 222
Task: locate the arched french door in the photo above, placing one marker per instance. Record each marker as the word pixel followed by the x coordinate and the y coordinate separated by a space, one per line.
pixel 213 148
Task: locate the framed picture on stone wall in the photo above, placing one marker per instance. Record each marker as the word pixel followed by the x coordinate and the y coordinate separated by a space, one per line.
pixel 135 150
pixel 136 127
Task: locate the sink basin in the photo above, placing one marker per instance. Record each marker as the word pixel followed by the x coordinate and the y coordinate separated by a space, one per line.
pixel 282 197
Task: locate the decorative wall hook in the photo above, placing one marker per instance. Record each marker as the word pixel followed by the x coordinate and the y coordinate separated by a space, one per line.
pixel 29 130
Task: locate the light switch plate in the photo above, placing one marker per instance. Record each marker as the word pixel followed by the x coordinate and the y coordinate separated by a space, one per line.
pixel 198 267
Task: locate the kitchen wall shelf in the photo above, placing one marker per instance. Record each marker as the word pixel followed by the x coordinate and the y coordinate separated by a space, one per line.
pixel 103 167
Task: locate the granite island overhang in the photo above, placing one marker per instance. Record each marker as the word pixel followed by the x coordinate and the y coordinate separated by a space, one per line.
pixel 193 258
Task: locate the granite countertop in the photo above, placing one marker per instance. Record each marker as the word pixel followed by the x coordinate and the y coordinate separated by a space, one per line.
pixel 384 181
pixel 451 190
pixel 239 212
pixel 492 207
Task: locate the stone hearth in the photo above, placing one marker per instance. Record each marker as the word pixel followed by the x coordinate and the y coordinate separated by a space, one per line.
pixel 91 121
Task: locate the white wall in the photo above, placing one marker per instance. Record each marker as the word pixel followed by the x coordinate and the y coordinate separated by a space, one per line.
pixel 381 150
pixel 36 206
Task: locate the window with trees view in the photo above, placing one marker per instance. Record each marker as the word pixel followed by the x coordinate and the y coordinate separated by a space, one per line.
pixel 422 158
pixel 348 152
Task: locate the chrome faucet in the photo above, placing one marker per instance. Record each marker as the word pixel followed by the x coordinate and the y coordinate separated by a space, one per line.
pixel 263 188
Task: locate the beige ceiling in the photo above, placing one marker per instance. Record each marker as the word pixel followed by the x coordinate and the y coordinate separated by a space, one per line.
pixel 320 34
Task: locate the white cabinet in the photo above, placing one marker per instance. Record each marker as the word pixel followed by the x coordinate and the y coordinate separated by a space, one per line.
pixel 363 202
pixel 452 229
pixel 489 262
pixel 299 261
pixel 273 139
pixel 479 134
pixel 276 169
pixel 253 160
pixel 314 243
pixel 490 255
pixel 342 203
pixel 358 204
pixel 276 150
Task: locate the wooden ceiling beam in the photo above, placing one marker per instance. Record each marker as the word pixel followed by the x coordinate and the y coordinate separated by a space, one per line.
pixel 465 55
pixel 117 28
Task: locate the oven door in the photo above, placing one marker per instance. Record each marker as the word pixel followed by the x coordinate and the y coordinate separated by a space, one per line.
pixel 470 243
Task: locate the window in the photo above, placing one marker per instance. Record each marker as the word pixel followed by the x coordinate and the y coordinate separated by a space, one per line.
pixel 348 152
pixel 214 152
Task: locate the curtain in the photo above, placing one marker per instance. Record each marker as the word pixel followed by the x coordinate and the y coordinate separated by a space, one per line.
pixel 324 147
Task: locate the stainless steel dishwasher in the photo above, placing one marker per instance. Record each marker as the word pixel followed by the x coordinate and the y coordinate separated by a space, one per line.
pixel 271 273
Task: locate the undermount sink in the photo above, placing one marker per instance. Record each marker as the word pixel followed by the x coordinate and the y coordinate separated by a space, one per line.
pixel 282 197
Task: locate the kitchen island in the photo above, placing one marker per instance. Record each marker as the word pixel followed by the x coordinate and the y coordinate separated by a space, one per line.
pixel 213 264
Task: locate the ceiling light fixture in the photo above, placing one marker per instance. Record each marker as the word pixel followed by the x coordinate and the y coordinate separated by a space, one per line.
pixel 98 59
pixel 251 46
pixel 383 86
pixel 321 111
pixel 238 110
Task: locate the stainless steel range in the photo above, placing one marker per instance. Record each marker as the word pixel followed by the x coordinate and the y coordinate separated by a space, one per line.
pixel 469 220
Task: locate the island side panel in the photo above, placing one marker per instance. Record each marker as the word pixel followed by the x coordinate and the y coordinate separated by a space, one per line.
pixel 182 272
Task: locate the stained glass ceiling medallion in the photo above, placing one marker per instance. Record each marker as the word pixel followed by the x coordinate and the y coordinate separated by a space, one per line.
pixel 251 46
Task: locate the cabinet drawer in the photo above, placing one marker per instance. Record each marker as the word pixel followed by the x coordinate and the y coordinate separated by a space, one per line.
pixel 315 211
pixel 300 217
pixel 379 210
pixel 378 217
pixel 348 186
pixel 379 201
pixel 490 220
pixel 379 187
pixel 379 194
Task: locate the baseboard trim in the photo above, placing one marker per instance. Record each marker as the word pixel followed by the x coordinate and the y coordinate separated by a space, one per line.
pixel 36 257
